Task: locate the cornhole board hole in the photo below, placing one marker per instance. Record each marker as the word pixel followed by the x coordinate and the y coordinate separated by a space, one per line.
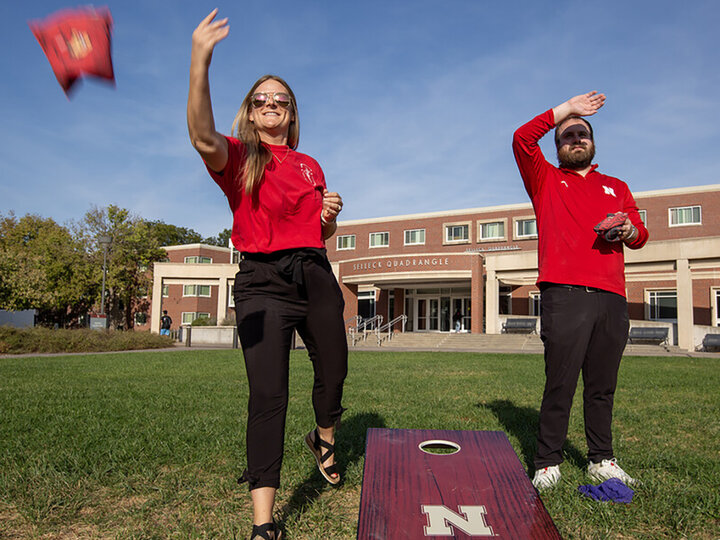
pixel 414 488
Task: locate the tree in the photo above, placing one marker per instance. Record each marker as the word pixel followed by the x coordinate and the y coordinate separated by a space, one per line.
pixel 134 247
pixel 172 235
pixel 43 267
pixel 222 239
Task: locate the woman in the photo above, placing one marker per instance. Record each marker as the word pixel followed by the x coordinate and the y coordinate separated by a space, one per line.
pixel 282 214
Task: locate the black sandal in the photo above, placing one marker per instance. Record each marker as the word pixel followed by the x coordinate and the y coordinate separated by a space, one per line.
pixel 263 531
pixel 315 444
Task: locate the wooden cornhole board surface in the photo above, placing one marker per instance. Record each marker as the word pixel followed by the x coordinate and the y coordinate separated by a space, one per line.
pixel 410 494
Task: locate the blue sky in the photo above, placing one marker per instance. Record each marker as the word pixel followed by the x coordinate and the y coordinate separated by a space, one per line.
pixel 409 106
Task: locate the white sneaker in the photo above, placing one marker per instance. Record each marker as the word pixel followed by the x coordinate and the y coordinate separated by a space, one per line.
pixel 546 477
pixel 608 468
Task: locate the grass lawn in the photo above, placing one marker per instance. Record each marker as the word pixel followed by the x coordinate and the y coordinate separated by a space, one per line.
pixel 149 444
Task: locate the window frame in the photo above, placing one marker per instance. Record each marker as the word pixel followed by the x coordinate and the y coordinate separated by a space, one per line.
pixel 195 314
pixel 200 259
pixel 481 222
pixel 649 293
pixel 370 241
pixel 342 236
pixel 689 224
pixel 405 237
pixel 449 225
pixel 197 294
pixel 516 221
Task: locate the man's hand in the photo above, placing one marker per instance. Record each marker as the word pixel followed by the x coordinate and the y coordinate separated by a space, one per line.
pixel 629 232
pixel 331 206
pixel 582 105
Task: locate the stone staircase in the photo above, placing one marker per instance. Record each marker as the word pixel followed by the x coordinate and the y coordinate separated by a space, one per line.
pixel 507 343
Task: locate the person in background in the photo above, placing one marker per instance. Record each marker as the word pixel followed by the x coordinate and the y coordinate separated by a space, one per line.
pixel 165 324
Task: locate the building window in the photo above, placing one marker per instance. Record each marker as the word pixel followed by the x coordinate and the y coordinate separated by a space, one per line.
pixel 491 231
pixel 196 290
pixel 525 228
pixel 166 291
pixel 457 233
pixel 535 308
pixel 140 318
pixel 379 239
pixel 643 216
pixel 716 306
pixel 662 305
pixel 189 316
pixel 415 237
pixel 685 215
pixel 505 300
pixel 346 241
pixel 197 259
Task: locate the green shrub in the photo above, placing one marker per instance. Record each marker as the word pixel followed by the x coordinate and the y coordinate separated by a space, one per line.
pixel 204 321
pixel 46 340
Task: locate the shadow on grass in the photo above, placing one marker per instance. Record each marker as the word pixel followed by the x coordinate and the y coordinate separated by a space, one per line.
pixel 349 446
pixel 522 422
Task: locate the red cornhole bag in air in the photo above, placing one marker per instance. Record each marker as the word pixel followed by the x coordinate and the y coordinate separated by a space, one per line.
pixel 77 43
pixel 610 227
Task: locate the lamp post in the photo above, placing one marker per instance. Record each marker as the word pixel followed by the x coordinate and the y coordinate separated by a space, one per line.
pixel 104 241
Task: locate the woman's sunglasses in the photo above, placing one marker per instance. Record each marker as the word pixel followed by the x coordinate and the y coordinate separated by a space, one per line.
pixel 260 99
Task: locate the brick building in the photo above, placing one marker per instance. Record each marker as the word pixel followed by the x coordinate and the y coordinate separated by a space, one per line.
pixel 480 263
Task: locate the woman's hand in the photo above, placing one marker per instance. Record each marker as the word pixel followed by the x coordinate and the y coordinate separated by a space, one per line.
pixel 331 206
pixel 208 34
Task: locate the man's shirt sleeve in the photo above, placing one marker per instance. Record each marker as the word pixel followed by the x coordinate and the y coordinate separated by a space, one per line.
pixel 530 160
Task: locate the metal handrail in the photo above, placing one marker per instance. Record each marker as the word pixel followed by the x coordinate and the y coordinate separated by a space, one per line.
pixel 388 326
pixel 354 322
pixel 372 322
pixel 361 330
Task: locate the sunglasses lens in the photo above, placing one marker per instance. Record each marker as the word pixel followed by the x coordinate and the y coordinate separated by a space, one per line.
pixel 258 100
pixel 282 99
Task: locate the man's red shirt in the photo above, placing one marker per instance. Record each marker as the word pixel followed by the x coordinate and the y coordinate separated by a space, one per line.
pixel 567 207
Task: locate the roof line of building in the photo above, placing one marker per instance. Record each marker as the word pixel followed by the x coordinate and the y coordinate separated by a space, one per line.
pixel 519 206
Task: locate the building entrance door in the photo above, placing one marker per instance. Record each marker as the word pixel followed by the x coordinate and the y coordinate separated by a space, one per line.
pixel 438 314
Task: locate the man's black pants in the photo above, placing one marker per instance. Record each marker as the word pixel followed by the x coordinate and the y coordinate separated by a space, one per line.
pixel 269 307
pixel 582 330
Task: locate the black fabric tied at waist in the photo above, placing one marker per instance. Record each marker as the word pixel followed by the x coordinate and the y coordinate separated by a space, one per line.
pixel 288 262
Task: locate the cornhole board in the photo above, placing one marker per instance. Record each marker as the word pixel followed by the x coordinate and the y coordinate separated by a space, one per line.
pixel 481 491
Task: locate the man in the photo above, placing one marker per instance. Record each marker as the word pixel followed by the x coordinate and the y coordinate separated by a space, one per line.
pixel 165 324
pixel 584 319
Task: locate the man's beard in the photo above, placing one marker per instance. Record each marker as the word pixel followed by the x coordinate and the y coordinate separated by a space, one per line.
pixel 569 159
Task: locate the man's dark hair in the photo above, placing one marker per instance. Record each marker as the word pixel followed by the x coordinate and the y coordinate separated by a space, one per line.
pixel 573 117
pixel 164 311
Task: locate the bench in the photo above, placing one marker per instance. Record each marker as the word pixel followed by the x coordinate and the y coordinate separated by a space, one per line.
pixel 654 334
pixel 711 342
pixel 527 326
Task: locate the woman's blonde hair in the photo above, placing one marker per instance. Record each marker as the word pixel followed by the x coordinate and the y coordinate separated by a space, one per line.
pixel 258 156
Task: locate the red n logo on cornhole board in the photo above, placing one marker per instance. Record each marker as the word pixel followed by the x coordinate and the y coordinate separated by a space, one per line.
pixel 475 487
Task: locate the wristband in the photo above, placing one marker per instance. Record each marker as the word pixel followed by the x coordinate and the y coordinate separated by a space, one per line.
pixel 632 235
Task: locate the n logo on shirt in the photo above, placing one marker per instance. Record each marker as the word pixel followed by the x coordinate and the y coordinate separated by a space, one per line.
pixel 308 174
pixel 609 191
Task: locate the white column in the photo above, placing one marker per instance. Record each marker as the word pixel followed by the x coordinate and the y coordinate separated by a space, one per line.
pixel 492 301
pixel 156 310
pixel 222 299
pixel 684 305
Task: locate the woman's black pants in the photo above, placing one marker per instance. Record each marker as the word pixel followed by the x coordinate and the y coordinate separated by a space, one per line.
pixel 269 306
